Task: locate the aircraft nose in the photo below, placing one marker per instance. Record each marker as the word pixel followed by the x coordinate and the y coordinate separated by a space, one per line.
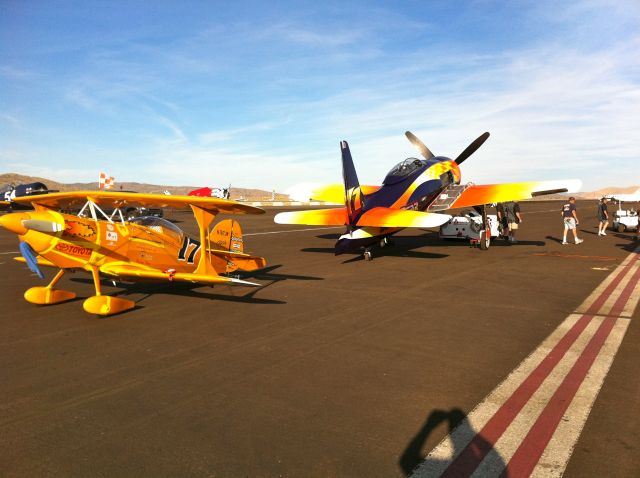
pixel 13 222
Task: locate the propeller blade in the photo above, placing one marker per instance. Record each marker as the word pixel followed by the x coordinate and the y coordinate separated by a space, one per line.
pixel 472 148
pixel 31 259
pixel 420 146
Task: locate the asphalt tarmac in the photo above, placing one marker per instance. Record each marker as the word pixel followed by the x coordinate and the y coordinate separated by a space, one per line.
pixel 335 367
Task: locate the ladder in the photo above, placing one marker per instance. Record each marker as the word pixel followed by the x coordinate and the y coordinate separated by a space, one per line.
pixel 447 197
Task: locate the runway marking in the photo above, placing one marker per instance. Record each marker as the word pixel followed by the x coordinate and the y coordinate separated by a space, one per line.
pixel 575 256
pixel 12 252
pixel 529 424
pixel 293 230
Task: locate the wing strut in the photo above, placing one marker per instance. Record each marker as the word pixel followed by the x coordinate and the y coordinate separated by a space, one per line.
pixel 204 218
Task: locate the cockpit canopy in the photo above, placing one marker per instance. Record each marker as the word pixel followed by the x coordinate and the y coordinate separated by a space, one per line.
pixel 160 225
pixel 403 169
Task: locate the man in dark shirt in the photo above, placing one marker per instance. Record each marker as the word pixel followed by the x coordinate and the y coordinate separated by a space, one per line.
pixel 513 216
pixel 570 218
pixel 603 217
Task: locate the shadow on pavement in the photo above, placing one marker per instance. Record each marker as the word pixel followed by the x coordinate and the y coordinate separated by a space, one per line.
pixel 413 463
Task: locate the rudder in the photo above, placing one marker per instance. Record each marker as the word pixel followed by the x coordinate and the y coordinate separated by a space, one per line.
pixel 227 236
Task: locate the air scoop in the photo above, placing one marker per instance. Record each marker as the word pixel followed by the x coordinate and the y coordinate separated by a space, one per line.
pixel 41 225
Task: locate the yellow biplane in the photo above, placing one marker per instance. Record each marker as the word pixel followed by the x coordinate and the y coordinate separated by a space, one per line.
pixel 144 248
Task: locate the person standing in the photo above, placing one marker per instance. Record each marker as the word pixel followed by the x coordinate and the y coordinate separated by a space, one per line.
pixel 513 219
pixel 503 227
pixel 603 217
pixel 570 217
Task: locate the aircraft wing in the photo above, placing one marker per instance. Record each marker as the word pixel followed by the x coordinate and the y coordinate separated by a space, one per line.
pixel 328 193
pixel 314 217
pixel 120 199
pixel 134 272
pixel 386 217
pixel 476 195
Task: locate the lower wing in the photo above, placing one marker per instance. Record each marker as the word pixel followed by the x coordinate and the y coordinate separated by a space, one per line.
pixel 134 272
pixel 477 195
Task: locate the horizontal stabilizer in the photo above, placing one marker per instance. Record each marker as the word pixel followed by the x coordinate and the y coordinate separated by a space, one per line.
pixel 386 217
pixel 328 193
pixel 314 217
pixel 476 195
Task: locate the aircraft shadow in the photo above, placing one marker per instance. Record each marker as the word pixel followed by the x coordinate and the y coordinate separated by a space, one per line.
pixel 268 275
pixel 402 246
pixel 179 288
pixel 413 463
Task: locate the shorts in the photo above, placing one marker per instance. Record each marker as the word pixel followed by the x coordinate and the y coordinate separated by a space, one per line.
pixel 513 226
pixel 569 223
pixel 603 219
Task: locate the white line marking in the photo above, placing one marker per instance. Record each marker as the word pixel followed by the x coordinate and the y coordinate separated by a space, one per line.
pixel 13 252
pixel 292 230
pixel 555 457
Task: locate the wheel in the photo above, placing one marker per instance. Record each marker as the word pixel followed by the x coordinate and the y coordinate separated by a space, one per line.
pixel 485 240
pixel 621 228
pixel 368 256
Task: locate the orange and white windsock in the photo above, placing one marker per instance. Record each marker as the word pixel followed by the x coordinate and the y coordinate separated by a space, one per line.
pixel 105 181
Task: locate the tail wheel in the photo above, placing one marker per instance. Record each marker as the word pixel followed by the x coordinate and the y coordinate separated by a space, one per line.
pixel 621 228
pixel 485 239
pixel 367 255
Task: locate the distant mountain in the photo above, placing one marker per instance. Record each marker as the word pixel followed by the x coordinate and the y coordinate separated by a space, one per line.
pixel 597 194
pixel 236 193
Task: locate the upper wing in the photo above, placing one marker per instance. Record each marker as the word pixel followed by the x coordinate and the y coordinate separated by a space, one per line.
pixel 120 199
pixel 130 270
pixel 477 195
pixel 314 217
pixel 386 217
pixel 328 193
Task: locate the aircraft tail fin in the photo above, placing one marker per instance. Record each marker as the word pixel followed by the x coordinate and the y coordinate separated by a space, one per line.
pixel 353 197
pixel 227 236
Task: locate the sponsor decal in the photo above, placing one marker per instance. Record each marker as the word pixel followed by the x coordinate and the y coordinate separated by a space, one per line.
pixel 112 236
pixel 236 238
pixel 73 249
pixel 109 227
pixel 235 245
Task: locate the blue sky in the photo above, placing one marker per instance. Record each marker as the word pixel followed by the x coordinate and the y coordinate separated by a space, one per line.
pixel 259 94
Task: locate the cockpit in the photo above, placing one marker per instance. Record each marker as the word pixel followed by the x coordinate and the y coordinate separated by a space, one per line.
pixel 403 169
pixel 160 225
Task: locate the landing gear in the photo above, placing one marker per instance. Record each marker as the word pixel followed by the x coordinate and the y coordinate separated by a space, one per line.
pixel 104 304
pixel 367 255
pixel 48 295
pixel 485 235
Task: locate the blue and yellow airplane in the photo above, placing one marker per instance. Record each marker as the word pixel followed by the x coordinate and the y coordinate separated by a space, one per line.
pixel 413 194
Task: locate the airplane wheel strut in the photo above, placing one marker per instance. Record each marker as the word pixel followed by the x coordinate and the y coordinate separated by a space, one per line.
pixel 367 255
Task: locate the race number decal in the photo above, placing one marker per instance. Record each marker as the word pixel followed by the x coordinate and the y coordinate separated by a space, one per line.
pixel 188 250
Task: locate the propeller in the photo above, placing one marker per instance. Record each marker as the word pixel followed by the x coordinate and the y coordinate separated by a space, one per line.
pixel 420 146
pixel 469 150
pixel 30 258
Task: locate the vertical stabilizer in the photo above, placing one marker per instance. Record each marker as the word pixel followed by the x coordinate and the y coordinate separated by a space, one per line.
pixel 352 194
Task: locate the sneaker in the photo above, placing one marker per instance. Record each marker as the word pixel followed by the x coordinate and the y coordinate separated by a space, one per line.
pixel 564 243
pixel 604 233
pixel 579 241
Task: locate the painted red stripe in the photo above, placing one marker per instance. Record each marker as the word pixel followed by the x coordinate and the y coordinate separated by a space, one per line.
pixel 599 302
pixel 473 454
pixel 530 450
pixel 617 308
